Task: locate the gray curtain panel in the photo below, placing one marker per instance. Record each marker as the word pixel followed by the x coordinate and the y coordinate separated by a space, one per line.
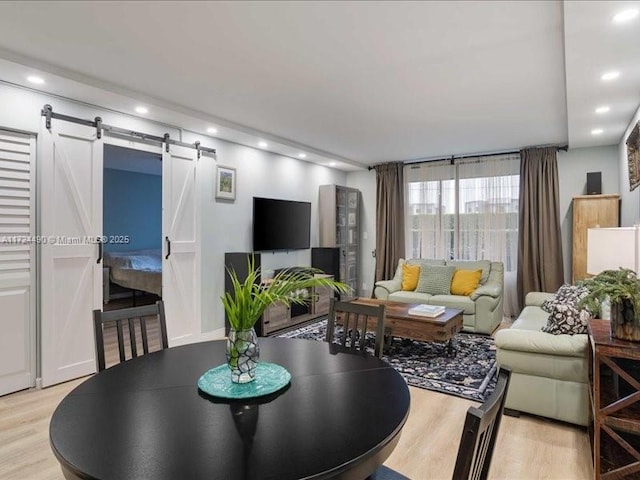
pixel 389 218
pixel 540 266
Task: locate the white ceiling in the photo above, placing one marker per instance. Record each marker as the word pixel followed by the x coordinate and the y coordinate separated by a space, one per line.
pixel 358 82
pixel 594 45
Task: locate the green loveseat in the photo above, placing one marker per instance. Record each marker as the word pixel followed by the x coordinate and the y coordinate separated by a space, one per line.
pixel 550 373
pixel 482 310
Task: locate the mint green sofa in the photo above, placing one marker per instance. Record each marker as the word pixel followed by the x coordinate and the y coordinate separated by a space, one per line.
pixel 482 310
pixel 549 372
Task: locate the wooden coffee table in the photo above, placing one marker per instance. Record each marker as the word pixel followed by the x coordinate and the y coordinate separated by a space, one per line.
pixel 398 323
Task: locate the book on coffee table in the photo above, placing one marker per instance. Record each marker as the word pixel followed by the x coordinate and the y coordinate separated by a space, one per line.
pixel 427 310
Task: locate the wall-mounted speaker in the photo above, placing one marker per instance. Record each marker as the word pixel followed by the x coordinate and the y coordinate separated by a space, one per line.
pixel 594 183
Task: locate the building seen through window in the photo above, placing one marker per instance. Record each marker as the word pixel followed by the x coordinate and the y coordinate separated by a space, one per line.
pixel 463 212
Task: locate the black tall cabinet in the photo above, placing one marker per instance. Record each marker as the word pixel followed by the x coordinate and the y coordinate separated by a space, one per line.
pixel 238 261
pixel 327 259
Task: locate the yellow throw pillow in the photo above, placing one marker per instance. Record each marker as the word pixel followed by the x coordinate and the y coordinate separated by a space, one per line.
pixel 410 275
pixel 465 282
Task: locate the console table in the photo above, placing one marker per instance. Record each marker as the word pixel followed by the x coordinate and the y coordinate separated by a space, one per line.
pixel 615 397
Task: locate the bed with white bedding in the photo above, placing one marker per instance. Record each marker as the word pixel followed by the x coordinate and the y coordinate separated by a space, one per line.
pixel 137 270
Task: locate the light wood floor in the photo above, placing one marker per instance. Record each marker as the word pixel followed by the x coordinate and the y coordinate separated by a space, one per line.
pixel 527 447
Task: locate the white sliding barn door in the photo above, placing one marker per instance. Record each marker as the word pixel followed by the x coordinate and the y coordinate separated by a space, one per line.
pixel 17 262
pixel 180 258
pixel 71 275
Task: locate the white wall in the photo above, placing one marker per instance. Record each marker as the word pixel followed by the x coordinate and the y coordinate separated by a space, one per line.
pixel 225 226
pixel 630 200
pixel 572 169
pixel 572 174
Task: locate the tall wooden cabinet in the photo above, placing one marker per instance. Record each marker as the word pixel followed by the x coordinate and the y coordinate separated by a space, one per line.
pixel 590 211
pixel 340 227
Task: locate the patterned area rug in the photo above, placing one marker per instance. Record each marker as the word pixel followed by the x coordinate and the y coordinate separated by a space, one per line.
pixel 470 374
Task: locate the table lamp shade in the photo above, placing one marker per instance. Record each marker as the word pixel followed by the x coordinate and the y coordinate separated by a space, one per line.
pixel 612 248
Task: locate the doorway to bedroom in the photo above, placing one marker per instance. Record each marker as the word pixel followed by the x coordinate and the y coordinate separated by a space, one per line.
pixel 132 227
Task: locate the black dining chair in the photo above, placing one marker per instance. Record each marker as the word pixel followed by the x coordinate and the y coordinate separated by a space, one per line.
pixel 355 320
pixel 478 437
pixel 128 316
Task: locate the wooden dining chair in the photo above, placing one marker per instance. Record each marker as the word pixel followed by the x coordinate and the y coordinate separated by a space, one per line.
pixel 355 320
pixel 480 433
pixel 478 437
pixel 128 316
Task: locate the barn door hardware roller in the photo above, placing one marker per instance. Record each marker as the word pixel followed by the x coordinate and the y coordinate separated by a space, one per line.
pixel 99 127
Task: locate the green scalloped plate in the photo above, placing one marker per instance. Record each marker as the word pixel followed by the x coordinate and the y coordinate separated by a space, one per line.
pixel 269 379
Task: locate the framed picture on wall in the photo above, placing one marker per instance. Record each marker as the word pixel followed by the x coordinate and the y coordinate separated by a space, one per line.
pixel 633 156
pixel 226 183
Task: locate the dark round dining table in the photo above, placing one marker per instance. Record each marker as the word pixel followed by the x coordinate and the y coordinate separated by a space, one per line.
pixel 340 417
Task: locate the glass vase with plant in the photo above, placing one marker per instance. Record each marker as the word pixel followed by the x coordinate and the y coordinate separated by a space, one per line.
pixel 249 298
pixel 622 289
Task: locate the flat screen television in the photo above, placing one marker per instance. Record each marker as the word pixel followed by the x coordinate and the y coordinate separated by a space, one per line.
pixel 281 224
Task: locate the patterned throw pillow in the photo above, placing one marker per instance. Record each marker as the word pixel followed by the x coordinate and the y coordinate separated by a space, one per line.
pixel 566 317
pixel 435 279
pixel 564 294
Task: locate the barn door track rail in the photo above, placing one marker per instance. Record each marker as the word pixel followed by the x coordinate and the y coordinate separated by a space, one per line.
pixel 49 114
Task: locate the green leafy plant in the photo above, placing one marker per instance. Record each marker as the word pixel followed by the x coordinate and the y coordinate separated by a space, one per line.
pixel 620 286
pixel 249 298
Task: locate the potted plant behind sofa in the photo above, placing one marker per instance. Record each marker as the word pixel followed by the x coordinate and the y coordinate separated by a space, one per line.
pixel 622 289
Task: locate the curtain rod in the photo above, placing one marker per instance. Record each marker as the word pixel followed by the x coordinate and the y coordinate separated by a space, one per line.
pixel 452 158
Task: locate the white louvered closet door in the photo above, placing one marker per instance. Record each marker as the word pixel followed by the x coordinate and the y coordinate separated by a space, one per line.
pixel 17 262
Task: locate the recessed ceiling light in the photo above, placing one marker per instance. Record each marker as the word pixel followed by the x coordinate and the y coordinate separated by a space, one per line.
pixel 610 75
pixel 596 131
pixel 332 164
pixel 142 110
pixel 603 109
pixel 302 155
pixel 212 130
pixel 263 144
pixel 625 15
pixel 36 80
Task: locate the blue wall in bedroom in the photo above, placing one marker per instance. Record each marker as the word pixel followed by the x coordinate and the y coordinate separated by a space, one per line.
pixel 132 206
